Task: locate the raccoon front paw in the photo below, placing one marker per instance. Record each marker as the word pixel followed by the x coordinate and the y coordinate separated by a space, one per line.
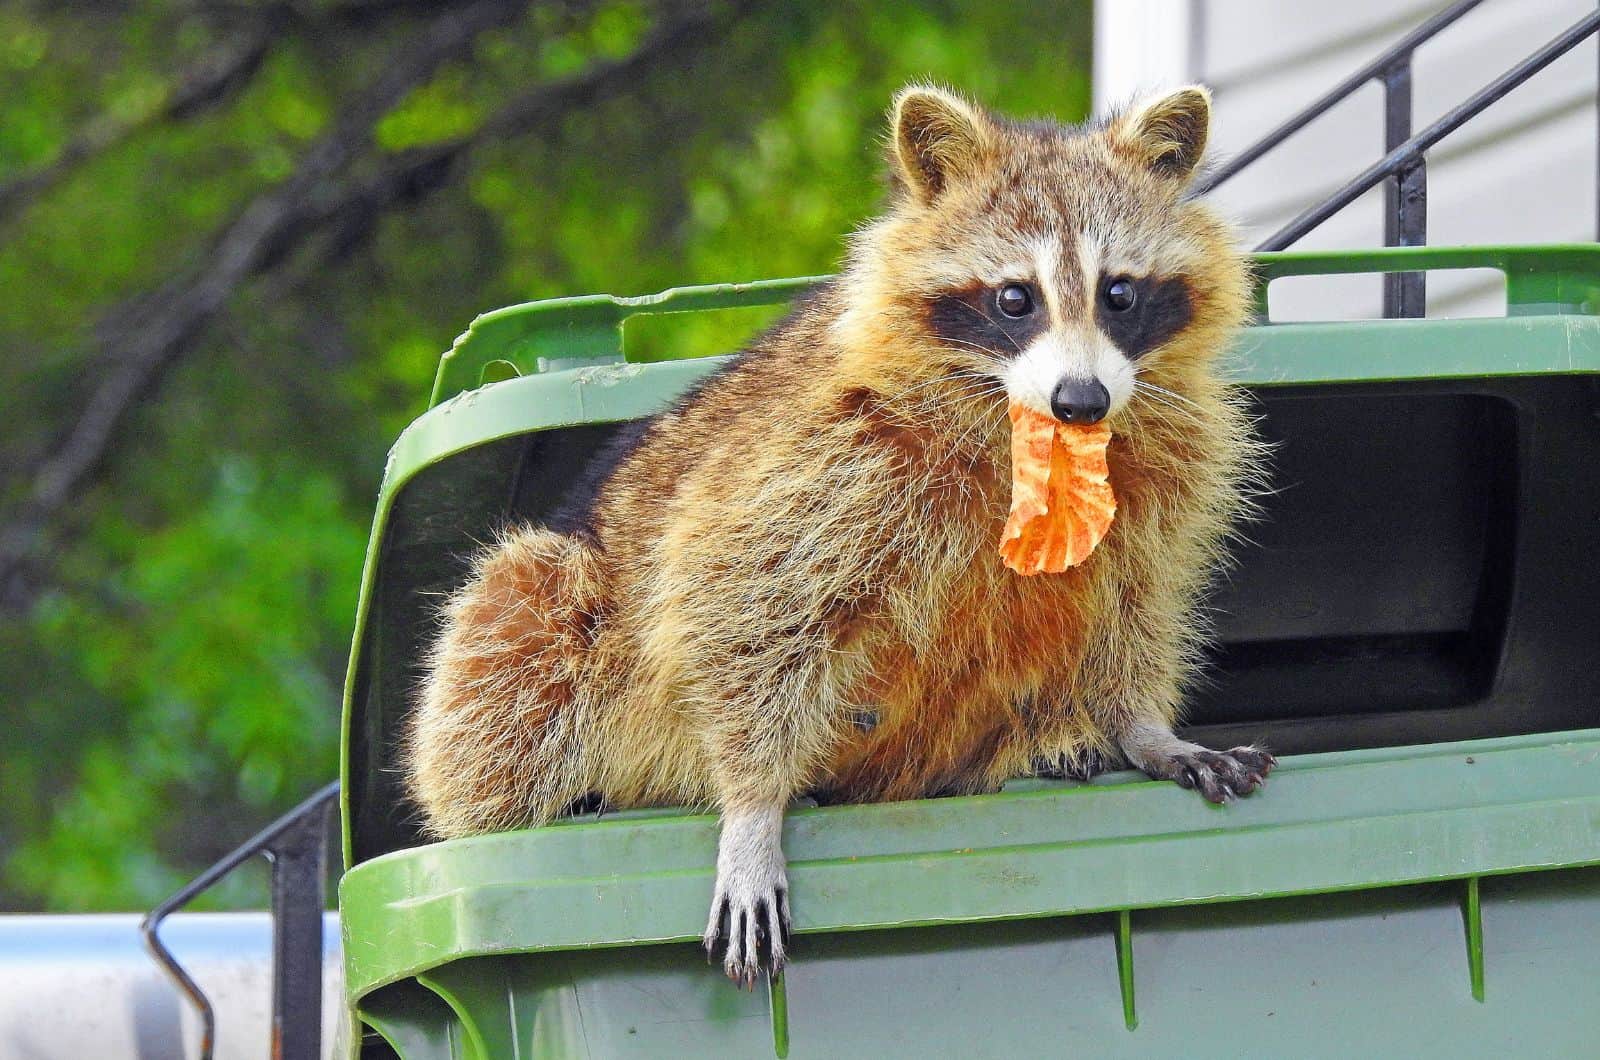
pixel 750 907
pixel 754 921
pixel 1220 775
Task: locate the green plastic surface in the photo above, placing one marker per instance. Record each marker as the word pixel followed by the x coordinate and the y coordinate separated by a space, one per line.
pixel 1361 974
pixel 1333 822
pixel 1009 923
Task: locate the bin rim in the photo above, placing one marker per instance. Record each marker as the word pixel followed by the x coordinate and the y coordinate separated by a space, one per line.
pixel 1337 821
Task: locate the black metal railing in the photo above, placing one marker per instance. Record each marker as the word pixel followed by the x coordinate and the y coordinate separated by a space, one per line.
pixel 297 846
pixel 1403 170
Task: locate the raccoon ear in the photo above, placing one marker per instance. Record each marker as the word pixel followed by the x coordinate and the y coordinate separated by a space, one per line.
pixel 939 138
pixel 1168 133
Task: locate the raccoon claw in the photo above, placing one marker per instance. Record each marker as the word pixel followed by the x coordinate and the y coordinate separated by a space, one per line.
pixel 1221 775
pixel 1082 767
pixel 756 931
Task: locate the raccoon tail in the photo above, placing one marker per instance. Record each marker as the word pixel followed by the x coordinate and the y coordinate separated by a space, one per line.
pixel 497 737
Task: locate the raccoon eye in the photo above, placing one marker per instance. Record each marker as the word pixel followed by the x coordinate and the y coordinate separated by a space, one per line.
pixel 1014 300
pixel 1120 295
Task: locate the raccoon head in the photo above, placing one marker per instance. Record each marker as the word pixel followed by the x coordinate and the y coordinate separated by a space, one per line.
pixel 1066 266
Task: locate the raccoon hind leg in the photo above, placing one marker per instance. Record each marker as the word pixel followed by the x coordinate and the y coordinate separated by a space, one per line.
pixel 497 739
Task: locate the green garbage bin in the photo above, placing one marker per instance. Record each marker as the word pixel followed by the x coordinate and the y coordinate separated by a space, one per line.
pixel 1413 625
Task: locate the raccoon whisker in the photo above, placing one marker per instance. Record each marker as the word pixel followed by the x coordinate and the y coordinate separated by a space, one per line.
pixel 983 393
pixel 1164 403
pixel 988 354
pixel 991 383
pixel 1169 393
pixel 980 426
pixel 956 378
pixel 992 369
pixel 968 441
pixel 1155 394
pixel 973 433
pixel 1191 411
pixel 986 320
pixel 900 394
pixel 927 404
pixel 1173 418
pixel 1145 384
pixel 974 379
pixel 1141 386
pixel 966 374
pixel 1180 423
pixel 979 379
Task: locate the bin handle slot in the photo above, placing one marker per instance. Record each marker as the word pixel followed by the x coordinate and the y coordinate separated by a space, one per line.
pixel 585 330
pixel 1540 280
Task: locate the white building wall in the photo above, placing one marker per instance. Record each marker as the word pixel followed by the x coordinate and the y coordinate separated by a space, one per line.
pixel 1521 172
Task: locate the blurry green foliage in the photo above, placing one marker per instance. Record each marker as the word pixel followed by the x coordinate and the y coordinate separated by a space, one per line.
pixel 175 681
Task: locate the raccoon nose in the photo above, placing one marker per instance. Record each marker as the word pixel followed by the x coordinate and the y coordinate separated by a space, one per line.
pixel 1080 401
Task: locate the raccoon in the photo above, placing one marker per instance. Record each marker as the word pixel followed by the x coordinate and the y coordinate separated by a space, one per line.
pixel 787 583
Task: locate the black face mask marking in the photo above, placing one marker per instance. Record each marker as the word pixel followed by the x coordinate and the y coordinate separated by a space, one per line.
pixel 969 317
pixel 1161 308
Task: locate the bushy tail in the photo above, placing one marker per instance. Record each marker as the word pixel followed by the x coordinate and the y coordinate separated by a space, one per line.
pixel 497 737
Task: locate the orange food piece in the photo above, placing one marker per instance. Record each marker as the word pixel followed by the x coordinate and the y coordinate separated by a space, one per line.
pixel 1061 499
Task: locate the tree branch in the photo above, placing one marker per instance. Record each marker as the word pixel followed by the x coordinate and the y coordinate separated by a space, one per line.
pixel 140 347
pixel 209 83
pixel 414 174
pixel 213 80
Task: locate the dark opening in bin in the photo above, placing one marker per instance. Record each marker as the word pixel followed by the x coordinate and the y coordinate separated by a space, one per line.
pixel 1379 574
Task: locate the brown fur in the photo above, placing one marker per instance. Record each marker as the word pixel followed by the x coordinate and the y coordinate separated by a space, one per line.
pixel 811 539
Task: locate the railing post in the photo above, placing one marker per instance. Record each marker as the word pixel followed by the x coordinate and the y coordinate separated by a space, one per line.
pixel 299 871
pixel 1405 196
